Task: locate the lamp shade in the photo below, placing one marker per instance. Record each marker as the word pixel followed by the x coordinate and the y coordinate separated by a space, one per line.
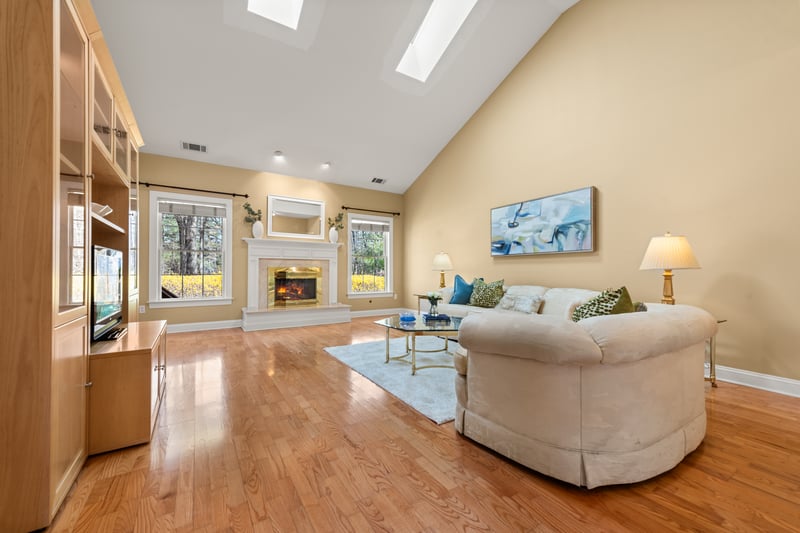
pixel 669 252
pixel 441 261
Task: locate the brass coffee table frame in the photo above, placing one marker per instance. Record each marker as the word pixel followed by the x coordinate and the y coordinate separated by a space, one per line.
pixel 415 329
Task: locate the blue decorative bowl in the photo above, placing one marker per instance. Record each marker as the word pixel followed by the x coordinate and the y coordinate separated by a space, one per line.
pixel 407 317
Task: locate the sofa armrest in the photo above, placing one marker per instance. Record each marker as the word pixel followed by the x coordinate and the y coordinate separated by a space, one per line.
pixel 447 293
pixel 661 329
pixel 547 339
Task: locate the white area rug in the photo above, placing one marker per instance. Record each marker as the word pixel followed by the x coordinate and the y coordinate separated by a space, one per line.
pixel 431 391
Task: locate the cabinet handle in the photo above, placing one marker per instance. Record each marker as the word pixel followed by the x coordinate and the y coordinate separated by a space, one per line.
pixel 87 385
pixel 155 368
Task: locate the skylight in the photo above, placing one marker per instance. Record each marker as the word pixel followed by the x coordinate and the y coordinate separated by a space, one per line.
pixel 284 12
pixel 434 35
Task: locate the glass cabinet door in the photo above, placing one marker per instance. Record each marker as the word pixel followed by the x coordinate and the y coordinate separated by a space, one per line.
pixel 121 145
pixel 103 110
pixel 71 259
pixel 133 241
pixel 134 166
pixel 72 96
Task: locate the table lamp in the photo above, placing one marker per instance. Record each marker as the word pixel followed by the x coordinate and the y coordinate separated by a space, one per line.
pixel 441 262
pixel 669 253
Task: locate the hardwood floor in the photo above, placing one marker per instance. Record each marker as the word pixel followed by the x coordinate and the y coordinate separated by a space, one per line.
pixel 263 431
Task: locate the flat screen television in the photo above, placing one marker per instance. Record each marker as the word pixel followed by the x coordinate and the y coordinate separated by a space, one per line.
pixel 106 292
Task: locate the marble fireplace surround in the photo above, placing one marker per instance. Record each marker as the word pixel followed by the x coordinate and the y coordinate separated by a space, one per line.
pixel 265 253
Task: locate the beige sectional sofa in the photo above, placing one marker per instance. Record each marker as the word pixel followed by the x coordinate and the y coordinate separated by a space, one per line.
pixel 607 400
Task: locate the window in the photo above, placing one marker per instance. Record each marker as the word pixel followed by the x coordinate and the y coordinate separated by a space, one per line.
pixel 369 255
pixel 190 250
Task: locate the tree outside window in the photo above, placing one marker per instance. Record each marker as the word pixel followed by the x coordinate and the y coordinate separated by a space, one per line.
pixel 370 254
pixel 193 248
pixel 191 257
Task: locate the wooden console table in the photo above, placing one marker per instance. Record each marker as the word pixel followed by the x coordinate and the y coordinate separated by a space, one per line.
pixel 128 378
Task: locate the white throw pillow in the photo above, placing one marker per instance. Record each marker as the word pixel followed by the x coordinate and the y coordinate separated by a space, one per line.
pixel 520 303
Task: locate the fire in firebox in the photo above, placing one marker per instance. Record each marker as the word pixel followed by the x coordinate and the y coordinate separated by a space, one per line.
pixel 295 289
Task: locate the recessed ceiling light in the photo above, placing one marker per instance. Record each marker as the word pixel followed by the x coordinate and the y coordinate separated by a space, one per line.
pixel 326 165
pixel 277 154
pixel 284 12
pixel 437 30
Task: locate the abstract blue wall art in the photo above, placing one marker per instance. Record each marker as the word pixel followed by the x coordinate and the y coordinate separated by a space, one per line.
pixel 561 223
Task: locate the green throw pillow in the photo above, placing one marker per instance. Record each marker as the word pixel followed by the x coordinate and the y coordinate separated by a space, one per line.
pixel 608 302
pixel 486 294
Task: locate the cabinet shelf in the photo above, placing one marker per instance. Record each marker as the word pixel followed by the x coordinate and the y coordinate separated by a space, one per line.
pixel 68 167
pixel 104 170
pixel 106 224
pixel 100 118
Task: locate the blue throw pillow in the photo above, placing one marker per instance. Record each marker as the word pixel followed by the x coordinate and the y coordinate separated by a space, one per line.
pixel 461 291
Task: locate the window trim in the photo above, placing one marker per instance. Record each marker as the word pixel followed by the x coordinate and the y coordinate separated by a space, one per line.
pixel 154 251
pixel 388 291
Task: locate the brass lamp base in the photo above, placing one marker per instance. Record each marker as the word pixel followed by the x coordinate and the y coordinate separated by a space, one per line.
pixel 441 280
pixel 667 298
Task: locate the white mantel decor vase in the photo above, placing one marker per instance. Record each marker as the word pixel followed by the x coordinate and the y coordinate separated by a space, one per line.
pixel 333 234
pixel 258 229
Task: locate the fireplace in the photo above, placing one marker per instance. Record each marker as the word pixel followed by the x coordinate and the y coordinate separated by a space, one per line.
pixel 292 261
pixel 294 285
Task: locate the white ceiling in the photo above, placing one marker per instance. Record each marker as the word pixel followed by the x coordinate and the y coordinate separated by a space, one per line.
pixel 209 72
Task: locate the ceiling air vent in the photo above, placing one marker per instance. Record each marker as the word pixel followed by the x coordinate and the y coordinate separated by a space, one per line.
pixel 192 147
pixel 379 181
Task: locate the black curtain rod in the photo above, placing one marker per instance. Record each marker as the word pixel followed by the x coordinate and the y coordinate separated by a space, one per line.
pixel 393 213
pixel 234 194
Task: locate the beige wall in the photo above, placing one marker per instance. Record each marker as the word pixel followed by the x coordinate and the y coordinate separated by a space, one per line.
pixel 685 115
pixel 184 173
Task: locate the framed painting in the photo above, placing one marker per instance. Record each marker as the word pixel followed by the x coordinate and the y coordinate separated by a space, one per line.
pixel 561 223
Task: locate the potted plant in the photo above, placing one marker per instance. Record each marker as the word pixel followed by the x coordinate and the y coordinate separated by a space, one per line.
pixel 334 225
pixel 433 299
pixel 254 217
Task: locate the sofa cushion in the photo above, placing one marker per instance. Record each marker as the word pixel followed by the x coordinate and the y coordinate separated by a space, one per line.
pixel 461 291
pixel 520 303
pixel 447 294
pixel 557 301
pixel 486 294
pixel 608 302
pixel 526 290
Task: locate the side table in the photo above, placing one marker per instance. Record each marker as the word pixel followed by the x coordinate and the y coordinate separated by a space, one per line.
pixel 712 357
pixel 420 297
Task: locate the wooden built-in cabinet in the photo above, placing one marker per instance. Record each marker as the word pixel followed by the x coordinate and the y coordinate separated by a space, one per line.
pixel 67 406
pixel 67 139
pixel 128 380
pixel 133 236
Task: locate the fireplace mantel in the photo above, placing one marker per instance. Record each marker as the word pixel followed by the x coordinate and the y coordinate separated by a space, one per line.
pixel 256 317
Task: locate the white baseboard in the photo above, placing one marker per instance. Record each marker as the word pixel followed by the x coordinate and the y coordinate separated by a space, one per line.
pixel 380 312
pixel 789 387
pixel 203 326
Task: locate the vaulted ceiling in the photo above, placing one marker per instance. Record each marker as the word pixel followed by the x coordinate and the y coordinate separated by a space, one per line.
pixel 209 72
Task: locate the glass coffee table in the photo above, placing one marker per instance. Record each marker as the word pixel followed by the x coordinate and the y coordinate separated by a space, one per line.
pixel 419 327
